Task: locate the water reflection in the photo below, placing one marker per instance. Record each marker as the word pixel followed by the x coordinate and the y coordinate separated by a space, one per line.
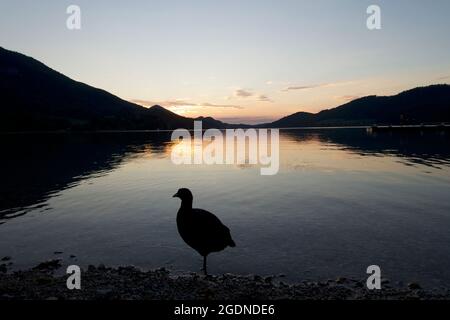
pixel 429 149
pixel 36 167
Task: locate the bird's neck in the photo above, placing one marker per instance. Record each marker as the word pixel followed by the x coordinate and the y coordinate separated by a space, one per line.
pixel 186 205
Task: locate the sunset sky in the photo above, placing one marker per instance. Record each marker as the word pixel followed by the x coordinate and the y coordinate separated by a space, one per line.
pixel 238 61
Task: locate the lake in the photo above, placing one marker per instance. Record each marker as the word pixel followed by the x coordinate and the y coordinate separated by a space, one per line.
pixel 343 199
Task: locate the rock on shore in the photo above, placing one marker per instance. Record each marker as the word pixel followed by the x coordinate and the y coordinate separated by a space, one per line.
pixel 100 283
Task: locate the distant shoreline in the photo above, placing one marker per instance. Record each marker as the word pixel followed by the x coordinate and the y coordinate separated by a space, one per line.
pixel 381 127
pixel 170 130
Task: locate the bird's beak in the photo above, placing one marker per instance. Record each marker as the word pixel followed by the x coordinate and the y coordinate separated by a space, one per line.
pixel 175 195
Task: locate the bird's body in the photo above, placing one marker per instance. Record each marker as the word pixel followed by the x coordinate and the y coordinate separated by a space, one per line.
pixel 200 229
pixel 203 231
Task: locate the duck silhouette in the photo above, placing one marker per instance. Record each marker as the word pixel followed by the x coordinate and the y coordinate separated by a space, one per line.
pixel 200 229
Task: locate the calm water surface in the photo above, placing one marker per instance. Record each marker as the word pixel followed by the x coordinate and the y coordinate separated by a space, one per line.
pixel 343 199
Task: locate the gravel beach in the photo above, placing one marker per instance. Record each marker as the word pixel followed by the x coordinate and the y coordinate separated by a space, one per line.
pixel 45 282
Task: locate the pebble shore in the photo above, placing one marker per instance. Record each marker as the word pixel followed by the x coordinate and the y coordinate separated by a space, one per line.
pixel 130 283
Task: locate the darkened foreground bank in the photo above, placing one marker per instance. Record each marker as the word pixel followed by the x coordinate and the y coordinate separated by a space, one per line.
pixel 130 283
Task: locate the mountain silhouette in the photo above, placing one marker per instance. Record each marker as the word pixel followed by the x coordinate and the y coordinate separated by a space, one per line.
pixel 420 105
pixel 35 97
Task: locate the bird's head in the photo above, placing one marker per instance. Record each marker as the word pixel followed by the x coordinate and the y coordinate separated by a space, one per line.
pixel 184 194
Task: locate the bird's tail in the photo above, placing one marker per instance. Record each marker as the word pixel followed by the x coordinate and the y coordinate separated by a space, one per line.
pixel 231 243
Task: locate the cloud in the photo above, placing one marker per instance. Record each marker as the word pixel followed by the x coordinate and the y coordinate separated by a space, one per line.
pixel 173 103
pixel 207 104
pixel 264 98
pixel 443 78
pixel 183 103
pixel 242 93
pixel 314 86
pixel 346 98
pixel 292 88
pixel 248 119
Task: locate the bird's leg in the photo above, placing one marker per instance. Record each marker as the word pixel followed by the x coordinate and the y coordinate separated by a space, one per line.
pixel 204 266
